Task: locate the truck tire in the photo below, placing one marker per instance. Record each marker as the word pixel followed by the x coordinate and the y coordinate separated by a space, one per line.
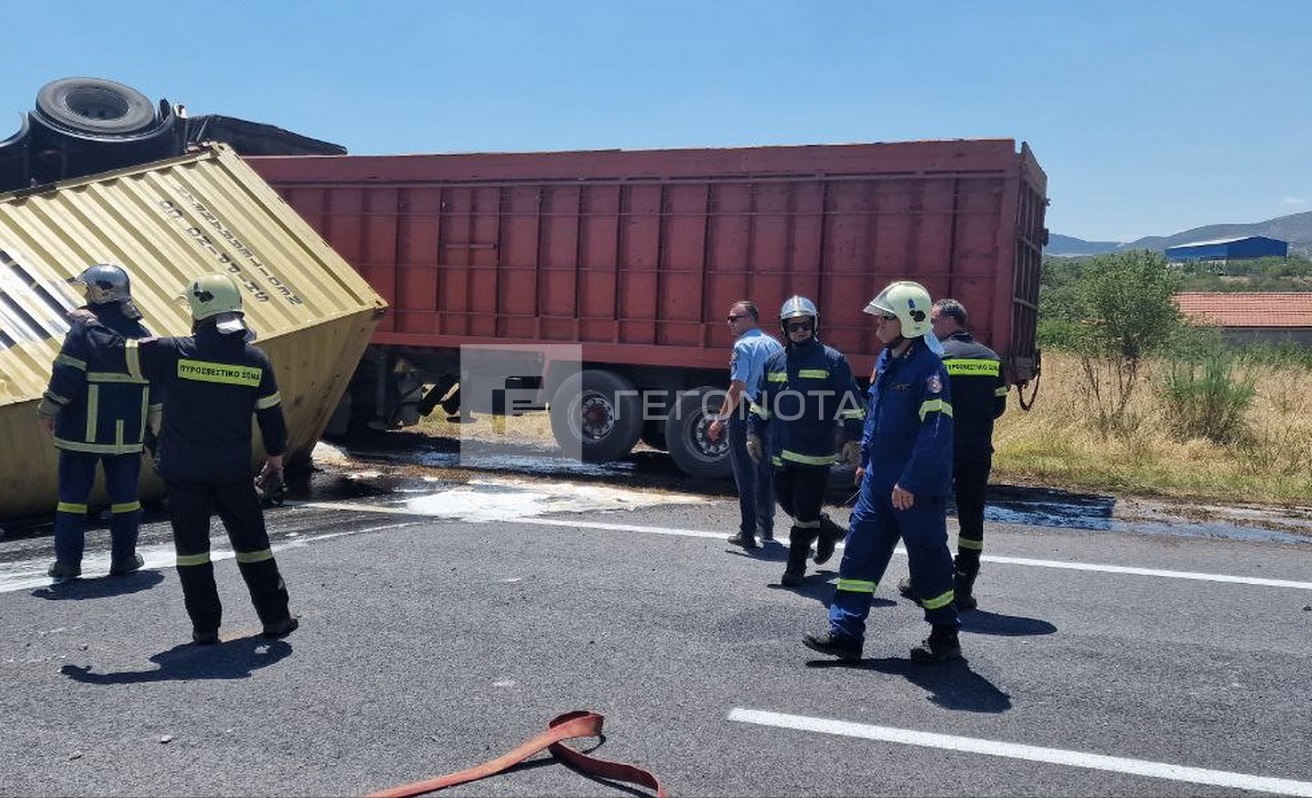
pixel 597 414
pixel 685 434
pixel 93 105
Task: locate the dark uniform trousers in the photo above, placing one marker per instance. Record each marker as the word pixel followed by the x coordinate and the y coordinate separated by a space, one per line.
pixel 755 480
pixel 875 530
pixel 970 474
pixel 190 506
pixel 77 475
pixel 800 490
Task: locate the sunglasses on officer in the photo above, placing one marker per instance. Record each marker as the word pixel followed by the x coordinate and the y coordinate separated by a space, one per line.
pixel 799 326
pixel 736 316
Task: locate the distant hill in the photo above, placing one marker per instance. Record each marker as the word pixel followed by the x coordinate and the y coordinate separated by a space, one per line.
pixel 1295 228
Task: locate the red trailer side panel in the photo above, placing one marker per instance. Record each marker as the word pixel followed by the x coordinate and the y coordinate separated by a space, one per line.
pixel 637 254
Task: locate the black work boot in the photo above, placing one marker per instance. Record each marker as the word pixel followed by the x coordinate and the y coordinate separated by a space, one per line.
pixel 941 645
pixel 830 534
pixel 799 546
pixel 835 645
pixel 963 585
pixel 904 587
pixel 744 540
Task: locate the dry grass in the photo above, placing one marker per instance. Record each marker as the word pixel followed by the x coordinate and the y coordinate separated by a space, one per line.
pixel 1054 444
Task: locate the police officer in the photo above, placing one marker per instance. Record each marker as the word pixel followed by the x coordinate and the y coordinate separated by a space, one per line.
pixel 98 414
pixel 806 391
pixel 979 397
pixel 213 381
pixel 906 474
pixel 754 480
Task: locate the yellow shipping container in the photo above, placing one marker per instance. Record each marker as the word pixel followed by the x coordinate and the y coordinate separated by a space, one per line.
pixel 167 223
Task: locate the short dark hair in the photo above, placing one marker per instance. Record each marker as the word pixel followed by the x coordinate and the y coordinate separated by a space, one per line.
pixel 955 310
pixel 750 307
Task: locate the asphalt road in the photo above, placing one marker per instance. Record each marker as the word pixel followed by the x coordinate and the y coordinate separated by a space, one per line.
pixel 1102 662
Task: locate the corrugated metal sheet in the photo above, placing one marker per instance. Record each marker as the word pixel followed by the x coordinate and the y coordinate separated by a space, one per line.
pixel 168 223
pixel 1230 248
pixel 637 254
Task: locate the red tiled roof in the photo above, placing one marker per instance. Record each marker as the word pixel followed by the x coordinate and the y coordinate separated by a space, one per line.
pixel 1252 309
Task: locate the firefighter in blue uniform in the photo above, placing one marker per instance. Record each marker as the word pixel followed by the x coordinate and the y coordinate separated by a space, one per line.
pixel 979 397
pixel 906 475
pixel 213 381
pixel 806 392
pixel 98 414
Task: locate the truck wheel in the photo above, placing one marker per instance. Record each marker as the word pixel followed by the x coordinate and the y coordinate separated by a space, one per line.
pixel 596 414
pixel 93 105
pixel 685 433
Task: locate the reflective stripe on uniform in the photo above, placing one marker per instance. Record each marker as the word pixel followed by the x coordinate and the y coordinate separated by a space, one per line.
pixel 71 507
pixel 970 543
pixel 938 601
pixel 97 448
pixel 68 360
pixel 1000 391
pixel 132 355
pixel 125 507
pixel 806 459
pixel 935 405
pixel 776 376
pixel 225 373
pixel 855 412
pixel 93 411
pixel 813 374
pixel 268 401
pixel 984 368
pixel 185 560
pixel 114 376
pixel 856 585
pixel 760 411
pixel 255 556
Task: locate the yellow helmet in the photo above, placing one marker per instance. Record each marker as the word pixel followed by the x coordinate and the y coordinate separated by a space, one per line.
pixel 216 296
pixel 910 302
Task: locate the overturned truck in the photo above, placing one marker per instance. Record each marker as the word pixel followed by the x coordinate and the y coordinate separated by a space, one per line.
pixel 168 223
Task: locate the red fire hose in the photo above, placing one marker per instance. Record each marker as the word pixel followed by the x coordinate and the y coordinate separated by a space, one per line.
pixel 563 727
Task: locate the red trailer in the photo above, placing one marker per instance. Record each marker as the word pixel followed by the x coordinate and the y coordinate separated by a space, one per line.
pixel 636 255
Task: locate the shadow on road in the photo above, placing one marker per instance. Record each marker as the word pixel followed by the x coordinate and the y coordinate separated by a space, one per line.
pixel 103 587
pixel 951 685
pixel 235 659
pixel 983 622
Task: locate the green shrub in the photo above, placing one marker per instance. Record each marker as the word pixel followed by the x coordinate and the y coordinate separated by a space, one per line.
pixel 1207 399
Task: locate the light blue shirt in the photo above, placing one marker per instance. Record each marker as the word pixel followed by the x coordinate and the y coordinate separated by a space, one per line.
pixel 747 362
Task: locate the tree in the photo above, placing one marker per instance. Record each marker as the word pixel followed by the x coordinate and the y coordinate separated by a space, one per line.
pixel 1118 310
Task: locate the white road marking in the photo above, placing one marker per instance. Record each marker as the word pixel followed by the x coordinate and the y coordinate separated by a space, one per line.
pixel 1124 569
pixel 697 533
pixel 31 575
pixel 1032 753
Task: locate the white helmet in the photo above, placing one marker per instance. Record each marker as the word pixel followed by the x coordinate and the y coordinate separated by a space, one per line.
pixel 910 302
pixel 796 307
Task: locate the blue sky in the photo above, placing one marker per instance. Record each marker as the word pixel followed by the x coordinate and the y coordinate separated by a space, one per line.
pixel 1149 117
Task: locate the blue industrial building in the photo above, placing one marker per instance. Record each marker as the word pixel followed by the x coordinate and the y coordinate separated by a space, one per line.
pixel 1224 249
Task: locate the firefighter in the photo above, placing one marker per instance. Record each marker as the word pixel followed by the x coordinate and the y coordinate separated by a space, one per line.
pixel 213 381
pixel 806 392
pixel 979 397
pixel 98 415
pixel 906 474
